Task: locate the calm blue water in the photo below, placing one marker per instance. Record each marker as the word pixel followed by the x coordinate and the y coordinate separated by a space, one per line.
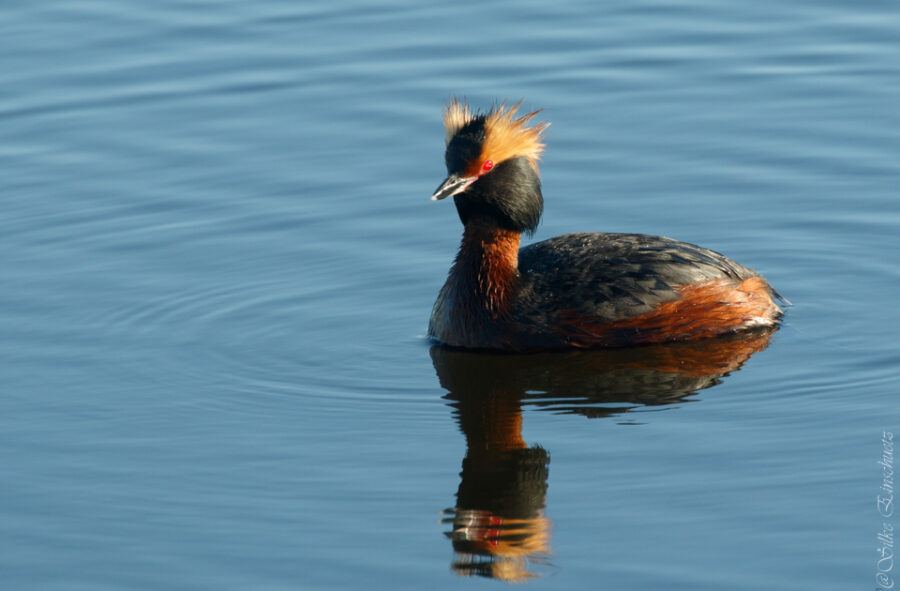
pixel 218 259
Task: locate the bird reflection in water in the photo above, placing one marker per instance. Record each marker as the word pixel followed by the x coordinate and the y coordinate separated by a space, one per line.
pixel 499 529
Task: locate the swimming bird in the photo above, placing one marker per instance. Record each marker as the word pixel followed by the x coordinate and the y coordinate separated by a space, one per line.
pixel 584 290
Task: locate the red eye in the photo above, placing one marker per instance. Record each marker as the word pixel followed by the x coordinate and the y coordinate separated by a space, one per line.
pixel 488 164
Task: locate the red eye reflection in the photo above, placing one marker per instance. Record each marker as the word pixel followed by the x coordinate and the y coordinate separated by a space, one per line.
pixel 488 164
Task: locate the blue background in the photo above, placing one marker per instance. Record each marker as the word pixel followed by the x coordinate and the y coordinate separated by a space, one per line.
pixel 218 260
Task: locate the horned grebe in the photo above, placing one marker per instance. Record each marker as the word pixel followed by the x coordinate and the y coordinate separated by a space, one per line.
pixel 575 290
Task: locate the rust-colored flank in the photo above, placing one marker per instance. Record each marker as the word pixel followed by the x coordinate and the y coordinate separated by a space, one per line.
pixel 705 309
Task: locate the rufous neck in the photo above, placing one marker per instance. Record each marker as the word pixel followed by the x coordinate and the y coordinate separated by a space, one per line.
pixel 489 260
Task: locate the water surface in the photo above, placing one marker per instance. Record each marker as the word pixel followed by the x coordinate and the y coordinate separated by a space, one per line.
pixel 219 257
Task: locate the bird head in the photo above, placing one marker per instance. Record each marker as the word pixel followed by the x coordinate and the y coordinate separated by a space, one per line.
pixel 492 165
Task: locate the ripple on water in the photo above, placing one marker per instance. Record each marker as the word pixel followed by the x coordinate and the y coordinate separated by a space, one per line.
pixel 246 342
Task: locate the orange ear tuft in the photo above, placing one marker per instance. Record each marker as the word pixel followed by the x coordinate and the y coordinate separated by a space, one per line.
pixel 507 136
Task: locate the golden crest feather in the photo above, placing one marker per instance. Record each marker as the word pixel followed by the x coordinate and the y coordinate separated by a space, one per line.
pixel 506 135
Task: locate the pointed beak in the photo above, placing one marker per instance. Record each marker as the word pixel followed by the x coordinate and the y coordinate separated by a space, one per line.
pixel 453 185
